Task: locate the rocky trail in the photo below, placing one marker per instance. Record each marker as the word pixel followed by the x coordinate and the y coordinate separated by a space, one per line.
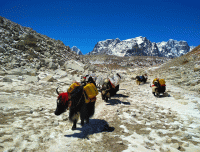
pixel 133 120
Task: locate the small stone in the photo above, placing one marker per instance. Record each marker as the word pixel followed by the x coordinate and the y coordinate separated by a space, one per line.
pixel 175 145
pixel 120 142
pixel 56 123
pixel 185 145
pixel 183 102
pixel 169 140
pixel 64 117
pixel 175 127
pixel 41 109
pixel 187 136
pixel 134 115
pixel 194 101
pixel 196 68
pixel 180 148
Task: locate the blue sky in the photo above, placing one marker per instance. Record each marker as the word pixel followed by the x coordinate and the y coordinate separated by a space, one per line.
pixel 84 23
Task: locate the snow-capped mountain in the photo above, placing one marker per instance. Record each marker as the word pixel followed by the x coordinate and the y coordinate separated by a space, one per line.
pixel 141 46
pixel 78 51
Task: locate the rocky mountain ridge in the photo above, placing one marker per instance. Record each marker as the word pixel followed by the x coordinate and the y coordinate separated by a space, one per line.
pixel 141 46
pixel 23 47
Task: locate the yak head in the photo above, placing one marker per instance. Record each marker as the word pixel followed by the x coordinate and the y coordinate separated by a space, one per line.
pixel 62 102
pixel 156 83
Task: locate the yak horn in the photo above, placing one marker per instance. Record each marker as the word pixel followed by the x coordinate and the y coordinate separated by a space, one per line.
pixel 57 91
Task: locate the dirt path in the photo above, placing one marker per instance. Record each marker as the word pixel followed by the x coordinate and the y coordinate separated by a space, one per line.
pixel 133 120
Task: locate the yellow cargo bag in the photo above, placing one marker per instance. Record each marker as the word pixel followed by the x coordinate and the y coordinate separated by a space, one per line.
pixel 162 82
pixel 91 90
pixel 73 85
pixel 156 79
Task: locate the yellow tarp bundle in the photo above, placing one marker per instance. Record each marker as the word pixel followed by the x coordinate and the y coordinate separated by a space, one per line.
pixel 73 85
pixel 161 81
pixel 91 91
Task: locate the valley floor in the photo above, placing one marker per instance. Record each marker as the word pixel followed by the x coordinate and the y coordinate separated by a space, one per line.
pixel 132 120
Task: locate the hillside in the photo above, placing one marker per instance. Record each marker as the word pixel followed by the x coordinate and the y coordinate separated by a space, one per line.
pixel 22 47
pixel 183 71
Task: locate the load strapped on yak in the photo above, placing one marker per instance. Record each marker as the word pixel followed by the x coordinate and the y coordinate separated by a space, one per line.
pixel 110 87
pixel 73 85
pixel 161 82
pixel 115 80
pixel 90 91
pixel 158 86
pixel 88 78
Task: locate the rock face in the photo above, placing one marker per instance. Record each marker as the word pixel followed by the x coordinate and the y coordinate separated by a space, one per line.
pixel 173 48
pixel 141 46
pixel 23 47
pixel 78 51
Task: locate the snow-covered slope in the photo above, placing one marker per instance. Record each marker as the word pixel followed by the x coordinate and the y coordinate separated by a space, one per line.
pixel 141 46
pixel 77 50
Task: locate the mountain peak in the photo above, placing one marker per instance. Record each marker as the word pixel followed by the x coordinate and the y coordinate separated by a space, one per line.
pixel 141 46
pixel 77 50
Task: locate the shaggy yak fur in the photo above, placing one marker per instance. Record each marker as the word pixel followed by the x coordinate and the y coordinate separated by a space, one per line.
pixel 157 89
pixel 107 91
pixel 140 79
pixel 78 106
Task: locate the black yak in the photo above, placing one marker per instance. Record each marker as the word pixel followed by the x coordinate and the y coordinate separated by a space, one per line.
pixel 140 79
pixel 76 104
pixel 158 87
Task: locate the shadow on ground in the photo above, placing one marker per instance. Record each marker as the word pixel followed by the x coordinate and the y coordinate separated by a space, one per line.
pixel 144 83
pixel 121 95
pixel 95 126
pixel 162 95
pixel 116 101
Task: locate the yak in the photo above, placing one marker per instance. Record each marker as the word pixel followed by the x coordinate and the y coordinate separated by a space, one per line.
pixel 140 79
pixel 157 89
pixel 76 105
pixel 107 90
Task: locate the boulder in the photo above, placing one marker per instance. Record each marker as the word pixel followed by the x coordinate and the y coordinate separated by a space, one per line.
pixel 17 71
pixel 53 65
pixel 60 73
pixel 72 64
pixel 196 68
pixel 7 79
pixel 49 78
pixel 28 78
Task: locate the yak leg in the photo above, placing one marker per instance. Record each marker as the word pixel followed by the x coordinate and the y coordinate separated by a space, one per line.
pixel 74 124
pixel 82 121
pixel 87 120
pixel 75 119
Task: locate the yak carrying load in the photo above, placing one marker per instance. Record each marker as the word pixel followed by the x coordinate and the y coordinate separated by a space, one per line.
pixel 142 78
pixel 158 87
pixel 110 87
pixel 80 100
